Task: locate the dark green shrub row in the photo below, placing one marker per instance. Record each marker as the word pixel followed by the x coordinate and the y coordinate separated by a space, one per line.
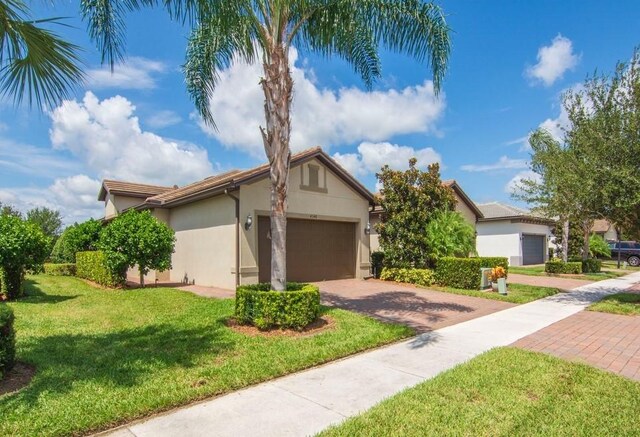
pixel 561 267
pixel 465 272
pixel 424 277
pixel 11 282
pixel 91 266
pixel 295 308
pixel 7 340
pixel 64 269
pixel 377 260
pixel 589 265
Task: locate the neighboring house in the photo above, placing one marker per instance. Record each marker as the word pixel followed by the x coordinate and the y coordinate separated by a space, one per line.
pixel 464 206
pixel 516 233
pixel 605 229
pixel 222 223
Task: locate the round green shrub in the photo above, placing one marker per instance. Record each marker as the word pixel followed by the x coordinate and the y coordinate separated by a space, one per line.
pixel 264 308
pixel 7 340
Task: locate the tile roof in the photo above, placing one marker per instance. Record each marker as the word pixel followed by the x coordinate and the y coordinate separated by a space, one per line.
pixel 497 210
pixel 230 180
pixel 131 189
pixel 601 225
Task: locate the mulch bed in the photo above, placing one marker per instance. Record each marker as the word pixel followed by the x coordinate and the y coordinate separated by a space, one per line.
pixel 19 377
pixel 323 324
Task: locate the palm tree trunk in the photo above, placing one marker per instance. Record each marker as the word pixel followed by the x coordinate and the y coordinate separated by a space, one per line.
pixel 277 86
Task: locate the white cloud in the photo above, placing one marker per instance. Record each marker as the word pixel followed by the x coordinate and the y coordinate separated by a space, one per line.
pixel 553 61
pixel 319 116
pixel 371 157
pixel 107 137
pixel 503 163
pixel 134 73
pixel 513 184
pixel 163 119
pixel 32 160
pixel 75 197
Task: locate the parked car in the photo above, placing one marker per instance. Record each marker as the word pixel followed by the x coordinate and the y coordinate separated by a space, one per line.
pixel 629 251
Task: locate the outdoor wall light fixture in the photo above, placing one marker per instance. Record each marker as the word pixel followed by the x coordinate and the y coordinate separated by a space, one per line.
pixel 249 222
pixel 367 229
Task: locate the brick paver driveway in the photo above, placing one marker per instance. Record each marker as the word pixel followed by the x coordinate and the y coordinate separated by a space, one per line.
pixel 608 341
pixel 422 309
pixel 547 281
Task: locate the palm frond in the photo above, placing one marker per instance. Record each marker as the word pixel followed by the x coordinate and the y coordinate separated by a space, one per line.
pixel 35 63
pixel 413 27
pixel 213 47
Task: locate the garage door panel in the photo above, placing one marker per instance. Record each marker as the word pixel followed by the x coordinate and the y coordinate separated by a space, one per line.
pixel 316 250
pixel 533 249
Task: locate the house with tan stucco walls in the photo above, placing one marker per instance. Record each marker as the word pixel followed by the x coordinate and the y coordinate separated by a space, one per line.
pixel 222 225
pixel 464 205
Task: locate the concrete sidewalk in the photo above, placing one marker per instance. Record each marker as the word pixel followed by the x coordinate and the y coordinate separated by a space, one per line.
pixel 307 402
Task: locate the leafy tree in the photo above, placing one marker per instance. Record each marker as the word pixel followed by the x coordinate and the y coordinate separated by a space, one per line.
pixel 6 209
pixel 137 238
pixel 449 234
pixel 263 31
pixel 599 247
pixel 34 62
pixel 410 199
pixel 573 248
pixel 23 246
pixel 605 119
pixel 49 220
pixel 78 237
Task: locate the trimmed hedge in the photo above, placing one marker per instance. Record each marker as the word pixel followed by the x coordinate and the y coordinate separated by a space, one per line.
pixel 63 269
pixel 91 266
pixel 264 308
pixel 7 340
pixel 465 272
pixel 377 262
pixel 424 277
pixel 591 265
pixel 561 267
pixel 11 282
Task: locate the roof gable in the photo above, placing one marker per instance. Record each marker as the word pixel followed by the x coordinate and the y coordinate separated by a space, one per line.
pixel 230 180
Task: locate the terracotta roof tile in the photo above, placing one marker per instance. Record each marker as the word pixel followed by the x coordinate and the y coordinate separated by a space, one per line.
pixel 131 189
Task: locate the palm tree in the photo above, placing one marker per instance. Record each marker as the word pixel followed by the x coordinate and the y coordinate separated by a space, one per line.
pixel 34 62
pixel 264 30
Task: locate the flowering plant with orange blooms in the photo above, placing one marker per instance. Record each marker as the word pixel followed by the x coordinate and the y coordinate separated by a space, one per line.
pixel 497 273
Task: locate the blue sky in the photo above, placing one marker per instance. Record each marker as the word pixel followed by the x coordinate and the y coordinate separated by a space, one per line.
pixel 509 64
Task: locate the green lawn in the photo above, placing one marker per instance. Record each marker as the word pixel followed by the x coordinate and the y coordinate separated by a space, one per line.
pixel 613 264
pixel 516 293
pixel 627 304
pixel 105 357
pixel 507 392
pixel 539 271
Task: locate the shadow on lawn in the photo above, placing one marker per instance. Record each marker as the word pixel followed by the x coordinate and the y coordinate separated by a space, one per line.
pixel 121 358
pixel 34 294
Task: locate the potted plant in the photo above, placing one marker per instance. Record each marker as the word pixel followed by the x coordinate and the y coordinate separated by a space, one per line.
pixel 498 276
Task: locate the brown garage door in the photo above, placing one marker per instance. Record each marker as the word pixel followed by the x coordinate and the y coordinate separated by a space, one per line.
pixel 317 250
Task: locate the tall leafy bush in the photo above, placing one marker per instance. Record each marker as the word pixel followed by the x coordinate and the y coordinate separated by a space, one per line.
pixel 449 234
pixel 79 237
pixel 410 198
pixel 598 247
pixel 137 238
pixel 23 246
